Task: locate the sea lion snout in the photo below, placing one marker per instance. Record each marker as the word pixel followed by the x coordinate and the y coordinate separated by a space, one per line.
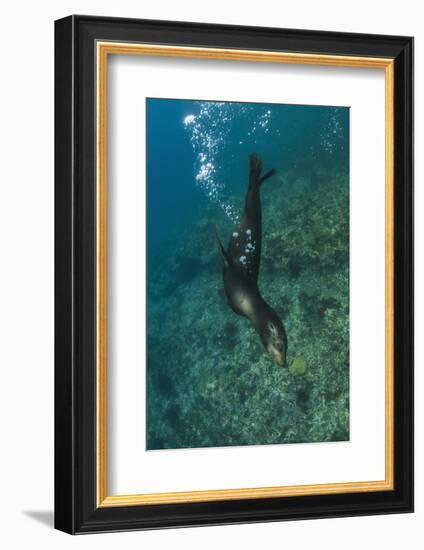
pixel 277 355
pixel 274 340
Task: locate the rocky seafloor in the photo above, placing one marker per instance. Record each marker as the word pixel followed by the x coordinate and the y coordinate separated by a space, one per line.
pixel 209 380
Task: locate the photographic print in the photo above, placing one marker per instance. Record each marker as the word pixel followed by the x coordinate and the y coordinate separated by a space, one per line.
pixel 233 274
pixel 247 273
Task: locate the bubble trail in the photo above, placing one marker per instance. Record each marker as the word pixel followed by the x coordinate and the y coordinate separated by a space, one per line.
pixel 209 133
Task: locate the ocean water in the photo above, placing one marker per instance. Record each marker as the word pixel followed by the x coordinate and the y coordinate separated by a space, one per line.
pixel 210 382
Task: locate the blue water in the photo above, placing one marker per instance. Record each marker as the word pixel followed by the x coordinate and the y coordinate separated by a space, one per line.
pixel 209 380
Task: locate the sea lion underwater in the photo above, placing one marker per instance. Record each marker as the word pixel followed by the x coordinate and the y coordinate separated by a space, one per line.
pixel 241 268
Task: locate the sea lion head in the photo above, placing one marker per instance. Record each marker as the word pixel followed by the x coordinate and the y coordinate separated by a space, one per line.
pixel 274 339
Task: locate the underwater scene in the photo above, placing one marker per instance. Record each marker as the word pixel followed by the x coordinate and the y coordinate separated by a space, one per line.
pixel 247 274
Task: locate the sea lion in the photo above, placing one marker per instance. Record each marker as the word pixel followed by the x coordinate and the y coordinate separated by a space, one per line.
pixel 241 269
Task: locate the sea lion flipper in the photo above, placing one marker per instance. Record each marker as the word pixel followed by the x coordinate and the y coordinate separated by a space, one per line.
pixel 255 169
pixel 221 248
pixel 223 296
pixel 269 174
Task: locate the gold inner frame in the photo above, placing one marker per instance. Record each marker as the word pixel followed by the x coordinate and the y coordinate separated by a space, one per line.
pixel 103 50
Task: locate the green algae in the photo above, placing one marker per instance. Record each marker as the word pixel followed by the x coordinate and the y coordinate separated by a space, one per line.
pixel 298 366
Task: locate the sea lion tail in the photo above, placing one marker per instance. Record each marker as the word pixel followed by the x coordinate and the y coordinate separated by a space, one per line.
pixel 255 177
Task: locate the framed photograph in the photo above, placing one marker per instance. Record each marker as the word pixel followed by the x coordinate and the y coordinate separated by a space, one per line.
pixel 234 270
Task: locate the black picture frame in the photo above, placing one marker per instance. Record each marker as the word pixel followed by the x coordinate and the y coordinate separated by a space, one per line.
pixel 76 509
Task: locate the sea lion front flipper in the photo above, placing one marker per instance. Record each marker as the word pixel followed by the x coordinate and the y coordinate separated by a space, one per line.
pixel 223 297
pixel 221 248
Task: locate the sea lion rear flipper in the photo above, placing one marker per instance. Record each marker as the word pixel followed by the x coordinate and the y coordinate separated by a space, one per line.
pixel 255 178
pixel 269 174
